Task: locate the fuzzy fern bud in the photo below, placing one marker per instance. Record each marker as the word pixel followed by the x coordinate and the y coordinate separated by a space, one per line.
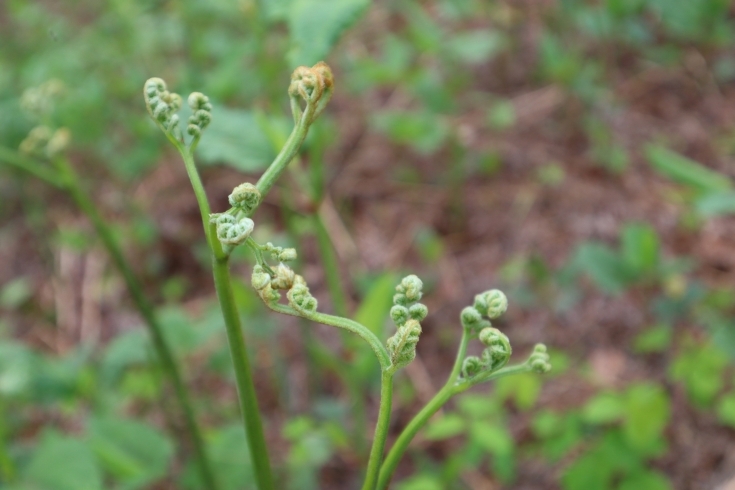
pixel 245 196
pixel 314 86
pixel 162 105
pixel 539 359
pixel 402 345
pixel 498 349
pixel 491 303
pixel 299 296
pixel 284 277
pixel 411 287
pixel 260 278
pixel 202 114
pixel 230 230
pixel 287 255
pixel 471 366
pixel 418 311
pixel 399 314
pixel 470 318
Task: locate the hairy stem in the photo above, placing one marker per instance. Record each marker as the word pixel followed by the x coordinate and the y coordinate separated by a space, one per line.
pixel 449 389
pixel 381 431
pixel 71 182
pixel 236 340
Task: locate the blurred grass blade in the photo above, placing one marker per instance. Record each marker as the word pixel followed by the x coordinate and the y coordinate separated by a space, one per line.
pixel 686 171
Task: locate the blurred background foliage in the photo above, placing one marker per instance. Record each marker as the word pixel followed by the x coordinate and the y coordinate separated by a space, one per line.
pixel 577 153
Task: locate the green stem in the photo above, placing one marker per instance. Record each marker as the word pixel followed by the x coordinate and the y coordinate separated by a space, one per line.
pixel 32 167
pixel 287 153
pixel 236 340
pixel 381 431
pixel 345 323
pixel 449 389
pixel 71 182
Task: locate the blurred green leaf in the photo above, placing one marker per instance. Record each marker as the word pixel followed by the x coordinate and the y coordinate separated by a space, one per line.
pixel 603 408
pixel 423 131
pixel 236 139
pixel 640 248
pixel 523 389
pixel 476 46
pixel 136 453
pixel 18 367
pixel 375 306
pixel 654 339
pixel 726 410
pixel 316 26
pixel 647 412
pixel 449 425
pixel 229 454
pixel 493 438
pixel 63 463
pixel 685 170
pixel 15 292
pixel 591 470
pixel 701 369
pixel 603 266
pixel 420 482
pixel 502 115
pixel 648 480
pixel 716 204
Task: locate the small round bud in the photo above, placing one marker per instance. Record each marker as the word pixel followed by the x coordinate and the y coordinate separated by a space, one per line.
pixel 193 130
pixel 269 295
pixel 284 277
pixel 470 317
pixel 260 278
pixel 300 298
pixel 402 345
pixel 174 101
pixel 539 359
pixel 230 232
pixel 197 100
pixel 498 350
pixel 418 311
pixel 471 366
pixel 245 196
pixel 400 299
pixel 399 314
pixel 58 142
pixel 497 303
pixel 411 287
pixel 287 255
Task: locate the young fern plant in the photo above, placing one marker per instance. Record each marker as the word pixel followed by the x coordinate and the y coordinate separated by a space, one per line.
pixel 309 93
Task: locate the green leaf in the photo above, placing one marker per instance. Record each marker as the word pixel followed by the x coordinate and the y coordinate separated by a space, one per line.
pixel 449 425
pixel 420 482
pixel 647 412
pixel 603 408
pixel 236 139
pixel 686 171
pixel 654 339
pixel 63 463
pixel 640 248
pixel 18 368
pixel 726 410
pixel 590 471
pixel 502 115
pixel 648 479
pixel 14 293
pixel 137 454
pixel 230 458
pixel 716 204
pixel 476 46
pixel 423 131
pixel 374 309
pixel 316 26
pixel 523 389
pixel 493 438
pixel 603 266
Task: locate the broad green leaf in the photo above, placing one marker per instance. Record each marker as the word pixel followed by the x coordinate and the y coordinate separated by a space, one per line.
pixel 236 139
pixel 137 454
pixel 62 463
pixel 603 266
pixel 686 171
pixel 523 389
pixel 640 248
pixel 374 309
pixel 654 339
pixel 647 412
pixel 590 471
pixel 726 410
pixel 420 482
pixel 476 46
pixel 493 438
pixel 18 367
pixel 127 349
pixel 648 480
pixel 603 408
pixel 228 451
pixel 447 426
pixel 716 204
pixel 423 131
pixel 316 26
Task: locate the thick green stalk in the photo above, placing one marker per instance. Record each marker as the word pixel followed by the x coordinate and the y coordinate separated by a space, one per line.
pixel 71 182
pixel 236 340
pixel 381 431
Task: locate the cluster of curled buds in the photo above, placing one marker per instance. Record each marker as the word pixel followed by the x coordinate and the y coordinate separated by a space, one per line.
pixel 202 113
pixel 39 101
pixel 280 254
pixel 539 359
pixel 162 106
pixel 476 320
pixel 43 141
pixel 407 313
pixel 314 86
pixel 261 281
pixel 245 197
pixel 299 297
pixel 231 231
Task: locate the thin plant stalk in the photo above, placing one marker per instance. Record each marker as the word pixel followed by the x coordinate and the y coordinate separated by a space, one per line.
pixel 66 178
pixel 250 412
pixel 381 431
